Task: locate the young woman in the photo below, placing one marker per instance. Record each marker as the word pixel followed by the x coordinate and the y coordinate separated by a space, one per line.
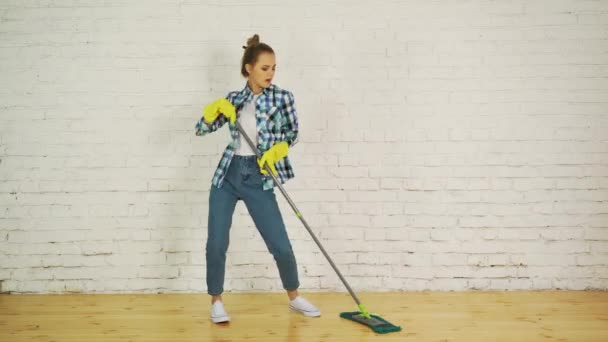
pixel 268 115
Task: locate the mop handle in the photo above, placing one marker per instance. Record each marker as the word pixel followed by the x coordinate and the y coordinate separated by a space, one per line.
pixel 298 214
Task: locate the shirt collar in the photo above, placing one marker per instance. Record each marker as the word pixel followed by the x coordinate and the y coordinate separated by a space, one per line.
pixel 247 93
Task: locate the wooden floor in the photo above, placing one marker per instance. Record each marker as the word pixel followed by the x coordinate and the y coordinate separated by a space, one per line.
pixel 423 316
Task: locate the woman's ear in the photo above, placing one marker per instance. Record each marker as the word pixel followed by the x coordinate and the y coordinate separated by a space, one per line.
pixel 248 68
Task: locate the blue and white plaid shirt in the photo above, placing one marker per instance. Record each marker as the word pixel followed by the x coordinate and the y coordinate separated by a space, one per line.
pixel 276 119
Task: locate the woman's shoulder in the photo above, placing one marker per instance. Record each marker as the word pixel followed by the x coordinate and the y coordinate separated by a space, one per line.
pixel 279 89
pixel 232 94
pixel 283 95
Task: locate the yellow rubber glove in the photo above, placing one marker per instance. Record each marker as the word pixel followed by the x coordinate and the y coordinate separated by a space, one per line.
pixel 277 152
pixel 217 107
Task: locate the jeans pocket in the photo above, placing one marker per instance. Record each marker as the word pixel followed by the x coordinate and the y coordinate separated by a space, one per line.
pixel 253 177
pixel 253 181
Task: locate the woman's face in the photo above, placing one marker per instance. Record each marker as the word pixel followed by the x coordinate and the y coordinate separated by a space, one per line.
pixel 262 72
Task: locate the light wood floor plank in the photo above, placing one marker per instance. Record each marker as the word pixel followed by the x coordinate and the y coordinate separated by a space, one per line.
pixel 423 316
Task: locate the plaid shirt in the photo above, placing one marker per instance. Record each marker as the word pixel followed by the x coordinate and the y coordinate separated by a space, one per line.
pixel 276 119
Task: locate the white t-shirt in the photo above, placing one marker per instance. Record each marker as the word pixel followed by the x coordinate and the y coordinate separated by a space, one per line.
pixel 248 122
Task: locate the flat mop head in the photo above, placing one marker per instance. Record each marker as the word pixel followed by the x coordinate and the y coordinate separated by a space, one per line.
pixel 376 323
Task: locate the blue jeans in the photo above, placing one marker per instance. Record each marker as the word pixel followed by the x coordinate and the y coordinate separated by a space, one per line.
pixel 243 181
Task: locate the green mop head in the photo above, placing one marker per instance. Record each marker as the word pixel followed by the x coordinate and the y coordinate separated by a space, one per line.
pixel 376 323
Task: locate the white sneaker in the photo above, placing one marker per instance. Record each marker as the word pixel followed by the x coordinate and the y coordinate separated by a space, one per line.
pixel 218 313
pixel 300 304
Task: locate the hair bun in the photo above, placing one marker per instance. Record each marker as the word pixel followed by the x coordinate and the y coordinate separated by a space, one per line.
pixel 253 40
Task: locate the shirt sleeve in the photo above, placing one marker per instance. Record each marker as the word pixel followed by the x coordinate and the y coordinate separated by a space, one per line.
pixel 289 129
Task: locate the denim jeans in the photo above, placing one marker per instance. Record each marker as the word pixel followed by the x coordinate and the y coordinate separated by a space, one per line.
pixel 243 181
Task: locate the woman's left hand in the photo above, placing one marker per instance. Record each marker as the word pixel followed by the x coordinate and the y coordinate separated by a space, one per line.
pixel 277 152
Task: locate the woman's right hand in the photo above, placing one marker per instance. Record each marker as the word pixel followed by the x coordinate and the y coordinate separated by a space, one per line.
pixel 217 107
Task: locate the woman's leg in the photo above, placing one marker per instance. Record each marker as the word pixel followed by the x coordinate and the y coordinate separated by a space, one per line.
pixel 222 202
pixel 263 208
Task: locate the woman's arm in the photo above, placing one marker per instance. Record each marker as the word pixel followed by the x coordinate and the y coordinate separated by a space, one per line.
pixel 289 130
pixel 203 127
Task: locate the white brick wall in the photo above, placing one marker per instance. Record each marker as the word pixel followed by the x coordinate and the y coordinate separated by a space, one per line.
pixel 445 145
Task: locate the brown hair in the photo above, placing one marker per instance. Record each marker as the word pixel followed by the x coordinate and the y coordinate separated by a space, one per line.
pixel 253 49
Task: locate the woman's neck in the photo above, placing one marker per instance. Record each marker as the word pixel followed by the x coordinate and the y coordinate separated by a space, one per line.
pixel 256 90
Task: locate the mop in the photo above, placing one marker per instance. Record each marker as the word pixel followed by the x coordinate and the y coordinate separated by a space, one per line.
pixel 374 322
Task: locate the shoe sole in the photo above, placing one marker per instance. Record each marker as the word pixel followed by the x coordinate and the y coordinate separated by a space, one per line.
pixel 220 319
pixel 306 313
